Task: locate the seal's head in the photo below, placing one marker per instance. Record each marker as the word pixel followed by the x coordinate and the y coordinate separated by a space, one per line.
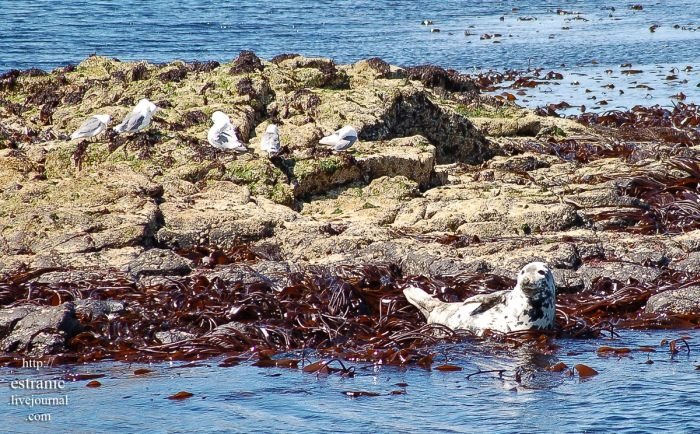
pixel 536 280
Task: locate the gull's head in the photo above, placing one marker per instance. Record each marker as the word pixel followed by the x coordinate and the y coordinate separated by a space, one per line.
pixel 272 128
pixel 145 104
pixel 219 117
pixel 536 280
pixel 347 132
pixel 104 118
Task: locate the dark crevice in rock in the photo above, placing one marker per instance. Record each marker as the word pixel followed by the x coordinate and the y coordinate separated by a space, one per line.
pixel 150 237
pixel 456 139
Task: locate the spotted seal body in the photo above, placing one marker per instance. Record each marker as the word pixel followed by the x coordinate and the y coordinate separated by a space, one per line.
pixel 528 306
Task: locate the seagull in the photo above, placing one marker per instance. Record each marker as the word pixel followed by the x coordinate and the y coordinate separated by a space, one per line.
pixel 270 141
pixel 93 126
pixel 341 139
pixel 222 134
pixel 528 306
pixel 138 119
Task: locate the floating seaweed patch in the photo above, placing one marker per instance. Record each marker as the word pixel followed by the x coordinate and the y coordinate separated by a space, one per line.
pixel 179 396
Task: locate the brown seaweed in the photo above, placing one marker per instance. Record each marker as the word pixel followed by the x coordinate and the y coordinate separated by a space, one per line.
pixel 176 74
pixel 349 313
pixel 246 62
pixel 679 125
pixel 139 72
pixel 380 66
pixel 448 79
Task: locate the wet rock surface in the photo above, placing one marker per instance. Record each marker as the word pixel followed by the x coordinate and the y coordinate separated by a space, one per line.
pixel 158 262
pixel 677 301
pixel 442 184
pixel 37 331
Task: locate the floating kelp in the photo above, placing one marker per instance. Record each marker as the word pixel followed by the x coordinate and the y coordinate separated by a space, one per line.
pixel 679 125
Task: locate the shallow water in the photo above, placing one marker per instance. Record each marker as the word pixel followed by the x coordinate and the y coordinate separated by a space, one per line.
pixel 48 34
pixel 628 395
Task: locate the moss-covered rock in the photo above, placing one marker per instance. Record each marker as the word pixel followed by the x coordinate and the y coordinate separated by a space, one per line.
pixel 105 200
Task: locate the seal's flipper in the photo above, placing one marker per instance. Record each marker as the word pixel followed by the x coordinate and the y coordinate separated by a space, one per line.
pixel 486 301
pixel 420 299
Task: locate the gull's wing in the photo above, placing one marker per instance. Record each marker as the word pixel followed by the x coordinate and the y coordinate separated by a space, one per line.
pixel 132 122
pixel 89 128
pixel 224 137
pixel 486 301
pixel 330 140
pixel 345 142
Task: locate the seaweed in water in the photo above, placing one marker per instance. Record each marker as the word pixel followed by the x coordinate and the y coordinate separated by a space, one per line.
pixel 246 62
pixel 356 313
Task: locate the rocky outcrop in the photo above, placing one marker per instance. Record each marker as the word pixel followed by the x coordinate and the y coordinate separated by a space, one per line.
pixel 158 262
pixel 679 301
pixel 106 202
pixel 35 330
pixel 440 183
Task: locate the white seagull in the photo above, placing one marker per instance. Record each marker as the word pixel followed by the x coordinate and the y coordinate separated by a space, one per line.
pixel 222 134
pixel 528 306
pixel 341 139
pixel 138 119
pixel 270 141
pixel 93 126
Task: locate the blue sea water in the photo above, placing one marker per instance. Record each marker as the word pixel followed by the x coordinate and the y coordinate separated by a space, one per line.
pixel 643 392
pixel 48 33
pixel 628 395
pixel 587 40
